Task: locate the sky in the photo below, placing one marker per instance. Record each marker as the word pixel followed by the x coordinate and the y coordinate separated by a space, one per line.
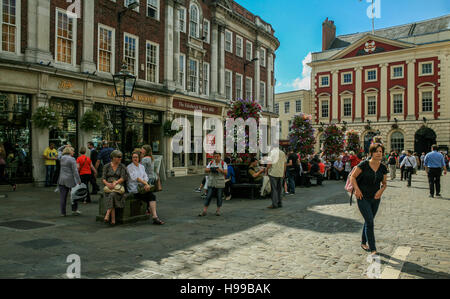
pixel 298 26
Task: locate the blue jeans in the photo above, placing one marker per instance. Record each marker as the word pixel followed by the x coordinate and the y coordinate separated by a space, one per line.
pixel 368 209
pixel 210 195
pixel 291 181
pixel 49 173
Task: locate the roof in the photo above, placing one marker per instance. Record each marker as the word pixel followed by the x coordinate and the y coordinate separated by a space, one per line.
pixel 398 32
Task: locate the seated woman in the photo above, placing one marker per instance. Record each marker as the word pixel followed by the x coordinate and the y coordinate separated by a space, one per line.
pixel 257 176
pixel 138 184
pixel 114 174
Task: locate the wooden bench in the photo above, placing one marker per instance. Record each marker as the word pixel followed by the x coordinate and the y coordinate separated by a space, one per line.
pixel 134 210
pixel 243 183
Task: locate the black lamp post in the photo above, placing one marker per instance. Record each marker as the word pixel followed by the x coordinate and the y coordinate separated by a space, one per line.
pixel 124 84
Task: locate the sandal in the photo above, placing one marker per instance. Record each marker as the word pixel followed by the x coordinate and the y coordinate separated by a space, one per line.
pixel 157 221
pixel 202 214
pixel 367 249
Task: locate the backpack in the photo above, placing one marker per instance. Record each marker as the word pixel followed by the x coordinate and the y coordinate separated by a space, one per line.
pixel 348 185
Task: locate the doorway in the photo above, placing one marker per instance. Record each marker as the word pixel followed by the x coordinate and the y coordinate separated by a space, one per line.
pixel 424 139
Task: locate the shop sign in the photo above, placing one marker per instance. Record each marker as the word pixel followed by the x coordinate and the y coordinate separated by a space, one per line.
pixel 137 97
pixel 184 105
pixel 65 84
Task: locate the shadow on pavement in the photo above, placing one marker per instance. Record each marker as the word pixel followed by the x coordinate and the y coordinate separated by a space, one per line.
pixel 414 269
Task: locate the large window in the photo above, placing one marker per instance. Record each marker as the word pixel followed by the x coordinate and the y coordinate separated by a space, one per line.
pixel 398 104
pixel 65 37
pixel 262 94
pixel 238 86
pixel 262 57
pixel 397 142
pixel 194 21
pixel 371 105
pixel 248 88
pixel 427 101
pixel 287 107
pixel 206 30
pixel 325 108
pixel 67 128
pixel 249 50
pixel 10 22
pixel 228 85
pixel 15 135
pixel 182 19
pixel 347 107
pixel 277 108
pixel 371 75
pixel 131 45
pixel 152 63
pixel 105 49
pixel 153 9
pixel 298 106
pixel 239 42
pixel 193 75
pixel 182 72
pixel 228 41
pixel 206 78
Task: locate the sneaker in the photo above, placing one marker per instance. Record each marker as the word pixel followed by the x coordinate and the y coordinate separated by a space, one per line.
pixel 431 196
pixel 76 213
pixel 228 198
pixel 198 190
pixel 438 195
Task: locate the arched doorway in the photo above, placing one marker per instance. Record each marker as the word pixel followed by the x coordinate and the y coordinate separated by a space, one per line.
pixel 397 142
pixel 368 141
pixel 424 139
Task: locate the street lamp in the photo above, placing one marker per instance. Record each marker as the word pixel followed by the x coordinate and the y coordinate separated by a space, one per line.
pixel 124 84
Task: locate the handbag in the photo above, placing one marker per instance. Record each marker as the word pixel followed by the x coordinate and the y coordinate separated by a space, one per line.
pixel 141 189
pixel 117 189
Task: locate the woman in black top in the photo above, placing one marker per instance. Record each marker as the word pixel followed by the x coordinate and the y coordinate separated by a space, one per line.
pixel 366 182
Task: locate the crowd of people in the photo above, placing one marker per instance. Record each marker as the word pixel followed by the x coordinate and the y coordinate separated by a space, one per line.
pixel 139 178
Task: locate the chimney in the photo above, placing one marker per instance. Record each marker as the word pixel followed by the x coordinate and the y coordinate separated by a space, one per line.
pixel 328 34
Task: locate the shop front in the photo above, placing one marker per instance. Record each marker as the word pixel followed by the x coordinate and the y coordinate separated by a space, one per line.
pixel 66 131
pixel 184 163
pixel 15 136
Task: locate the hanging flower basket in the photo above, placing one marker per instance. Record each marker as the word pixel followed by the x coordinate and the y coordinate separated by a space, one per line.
pixel 353 141
pixel 167 127
pixel 45 118
pixel 334 140
pixel 301 136
pixel 91 121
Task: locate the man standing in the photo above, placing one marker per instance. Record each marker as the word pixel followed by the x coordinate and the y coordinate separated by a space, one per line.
pixel 105 154
pixel 338 168
pixel 277 168
pixel 410 163
pixel 94 159
pixel 392 161
pixel 50 156
pixel 292 170
pixel 434 163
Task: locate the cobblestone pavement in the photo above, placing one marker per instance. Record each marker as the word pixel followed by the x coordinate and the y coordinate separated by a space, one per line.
pixel 315 235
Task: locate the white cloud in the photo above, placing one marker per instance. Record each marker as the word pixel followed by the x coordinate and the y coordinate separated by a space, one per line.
pixel 304 82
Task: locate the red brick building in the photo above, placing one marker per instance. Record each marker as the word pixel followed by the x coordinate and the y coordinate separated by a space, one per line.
pixel 394 82
pixel 185 53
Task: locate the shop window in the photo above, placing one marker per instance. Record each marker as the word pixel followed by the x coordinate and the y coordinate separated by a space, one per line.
pixel 15 136
pixel 66 131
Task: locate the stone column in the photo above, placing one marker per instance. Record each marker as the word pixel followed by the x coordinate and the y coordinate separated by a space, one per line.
pixel 257 78
pixel 87 104
pixel 87 61
pixel 383 92
pixel 169 45
pixel 358 93
pixel 214 58
pixel 411 89
pixel 40 139
pixel 335 95
pixel 38 35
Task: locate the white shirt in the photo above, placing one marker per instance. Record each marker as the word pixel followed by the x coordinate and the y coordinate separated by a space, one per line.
pixel 409 162
pixel 136 172
pixel 338 164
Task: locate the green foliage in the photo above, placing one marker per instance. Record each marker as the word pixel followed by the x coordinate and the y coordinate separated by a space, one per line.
pixel 91 121
pixel 45 118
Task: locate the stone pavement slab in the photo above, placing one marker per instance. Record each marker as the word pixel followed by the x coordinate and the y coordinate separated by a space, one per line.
pixel 315 235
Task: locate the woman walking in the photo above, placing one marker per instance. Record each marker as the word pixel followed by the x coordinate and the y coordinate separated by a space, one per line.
pixel 86 170
pixel 114 176
pixel 138 186
pixel 366 182
pixel 3 176
pixel 68 178
pixel 149 165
